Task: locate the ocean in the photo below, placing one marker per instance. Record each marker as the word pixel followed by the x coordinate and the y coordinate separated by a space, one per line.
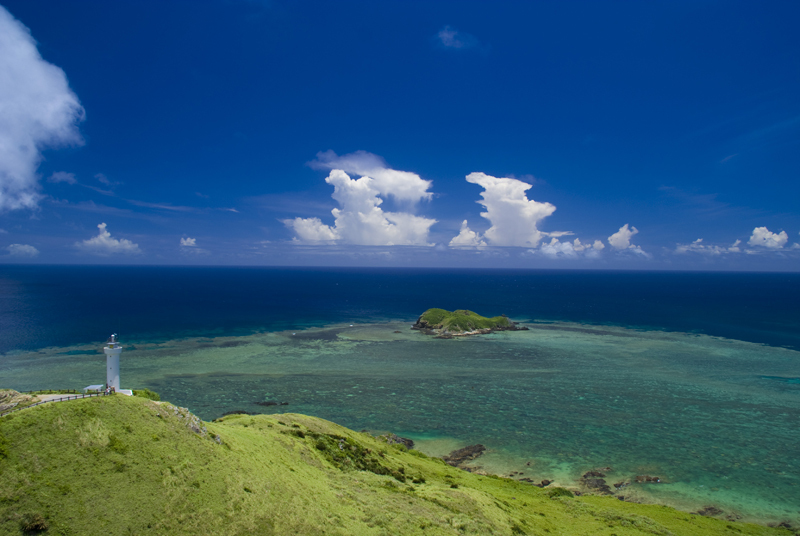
pixel 690 377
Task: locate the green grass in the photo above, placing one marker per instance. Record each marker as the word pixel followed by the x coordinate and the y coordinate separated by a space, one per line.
pixel 130 465
pixel 461 320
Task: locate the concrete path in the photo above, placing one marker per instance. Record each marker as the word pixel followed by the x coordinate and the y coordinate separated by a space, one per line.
pixel 48 398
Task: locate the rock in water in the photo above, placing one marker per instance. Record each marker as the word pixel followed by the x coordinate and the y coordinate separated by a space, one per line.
pixel 595 473
pixel 394 439
pixel 467 454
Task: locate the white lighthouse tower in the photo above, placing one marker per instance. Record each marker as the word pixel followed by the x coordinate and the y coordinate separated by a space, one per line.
pixel 112 350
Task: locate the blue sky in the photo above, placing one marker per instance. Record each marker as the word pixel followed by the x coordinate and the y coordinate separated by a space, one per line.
pixel 227 132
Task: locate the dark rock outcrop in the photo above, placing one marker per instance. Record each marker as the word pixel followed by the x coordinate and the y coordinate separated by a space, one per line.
pixel 647 478
pixel 594 480
pixel 597 484
pixel 709 511
pixel 462 456
pixel 781 525
pixel 394 439
pixel 594 473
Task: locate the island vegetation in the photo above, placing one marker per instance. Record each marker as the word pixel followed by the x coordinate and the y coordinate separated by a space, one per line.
pixel 133 465
pixel 447 324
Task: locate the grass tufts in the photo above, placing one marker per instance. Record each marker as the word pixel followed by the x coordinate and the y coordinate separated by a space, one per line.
pixel 33 523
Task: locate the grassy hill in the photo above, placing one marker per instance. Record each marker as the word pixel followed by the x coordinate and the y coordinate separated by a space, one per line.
pixel 129 465
pixel 460 320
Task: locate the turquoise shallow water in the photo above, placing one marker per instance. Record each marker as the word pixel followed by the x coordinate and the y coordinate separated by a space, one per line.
pixel 718 420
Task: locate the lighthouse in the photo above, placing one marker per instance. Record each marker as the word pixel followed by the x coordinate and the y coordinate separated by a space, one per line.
pixel 112 350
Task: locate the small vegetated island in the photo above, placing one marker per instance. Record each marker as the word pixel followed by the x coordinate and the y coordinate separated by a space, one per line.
pixel 460 323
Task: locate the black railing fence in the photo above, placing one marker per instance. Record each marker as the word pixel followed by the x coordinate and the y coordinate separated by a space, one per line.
pixel 51 391
pixel 59 399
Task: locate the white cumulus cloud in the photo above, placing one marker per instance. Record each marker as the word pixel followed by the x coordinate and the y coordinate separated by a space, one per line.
pixel 621 241
pixel 556 248
pixel 762 237
pixel 361 220
pixel 105 244
pixel 622 238
pixel 592 250
pixel 312 230
pixel 22 250
pixel 404 186
pixel 467 238
pixel 570 250
pixel 37 110
pixel 189 247
pixel 513 216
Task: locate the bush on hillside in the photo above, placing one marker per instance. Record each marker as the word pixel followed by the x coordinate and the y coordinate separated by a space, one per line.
pixel 33 523
pixel 559 492
pixel 147 393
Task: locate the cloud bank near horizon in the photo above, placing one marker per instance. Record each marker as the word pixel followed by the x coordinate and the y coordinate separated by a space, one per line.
pixel 22 250
pixel 762 241
pixel 361 221
pixel 38 110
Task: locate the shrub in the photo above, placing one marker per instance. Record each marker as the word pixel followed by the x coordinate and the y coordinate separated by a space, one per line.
pixel 559 492
pixel 116 445
pixel 147 393
pixel 33 523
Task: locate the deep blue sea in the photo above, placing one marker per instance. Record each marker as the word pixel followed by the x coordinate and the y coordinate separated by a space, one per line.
pixel 691 377
pixel 61 305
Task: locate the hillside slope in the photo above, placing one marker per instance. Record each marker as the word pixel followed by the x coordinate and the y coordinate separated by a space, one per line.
pixel 127 465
